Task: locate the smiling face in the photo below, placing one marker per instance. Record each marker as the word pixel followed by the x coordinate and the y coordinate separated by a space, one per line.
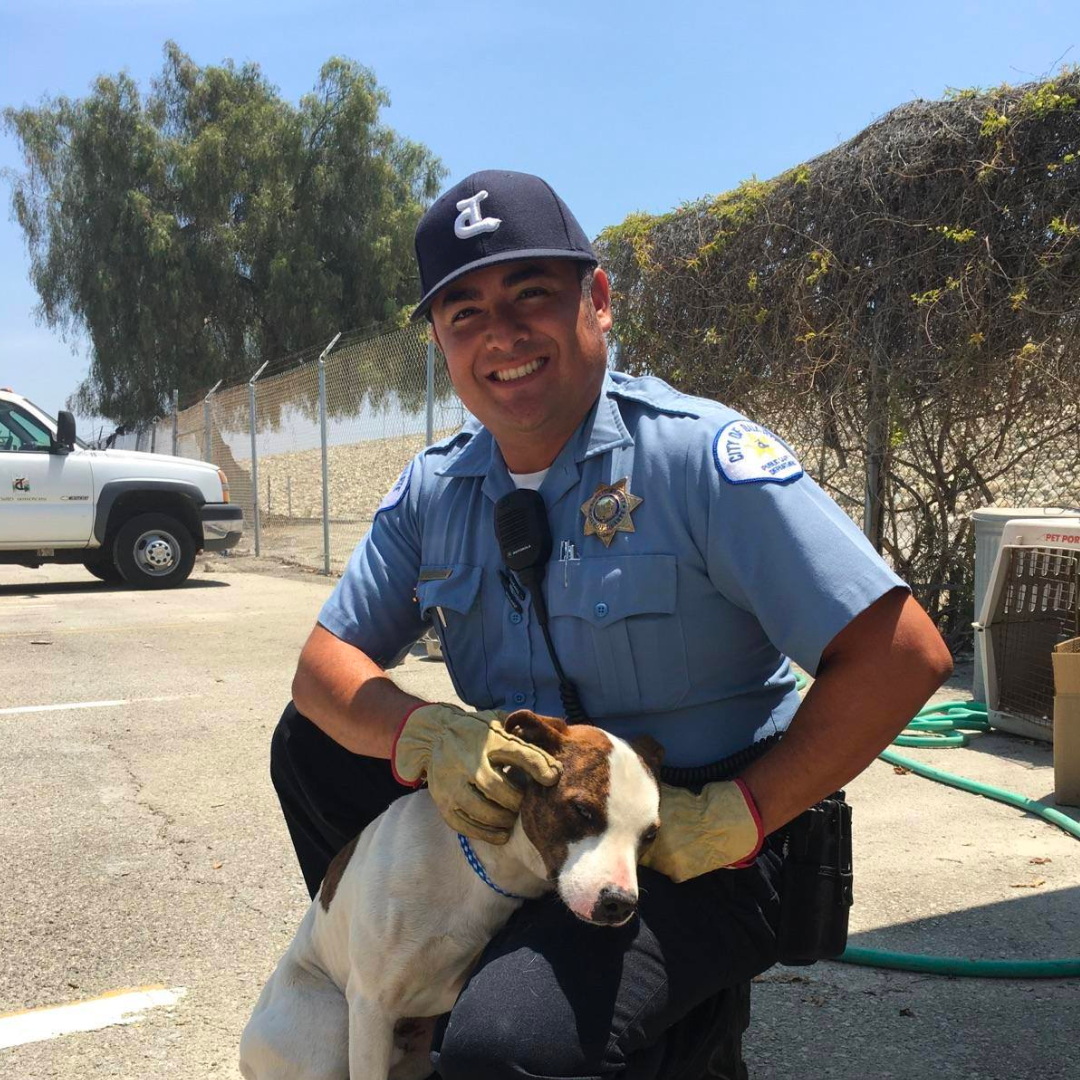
pixel 590 828
pixel 525 350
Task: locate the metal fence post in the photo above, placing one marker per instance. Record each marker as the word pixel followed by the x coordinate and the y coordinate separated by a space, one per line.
pixel 175 421
pixel 877 436
pixel 430 392
pixel 207 449
pixel 254 456
pixel 325 461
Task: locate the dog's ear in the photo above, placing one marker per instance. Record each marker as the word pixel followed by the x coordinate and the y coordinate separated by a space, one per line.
pixel 650 751
pixel 547 732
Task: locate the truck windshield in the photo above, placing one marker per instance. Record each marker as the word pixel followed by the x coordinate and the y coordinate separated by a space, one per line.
pixel 52 422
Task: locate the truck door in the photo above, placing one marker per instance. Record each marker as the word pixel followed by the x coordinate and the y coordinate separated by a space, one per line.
pixel 46 496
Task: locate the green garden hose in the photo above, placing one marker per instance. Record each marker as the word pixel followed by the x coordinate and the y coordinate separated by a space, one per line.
pixel 946 725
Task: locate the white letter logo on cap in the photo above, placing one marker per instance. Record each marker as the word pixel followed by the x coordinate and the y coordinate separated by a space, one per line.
pixel 469 220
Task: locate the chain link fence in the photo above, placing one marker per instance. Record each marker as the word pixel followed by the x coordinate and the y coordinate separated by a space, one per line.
pixel 313 441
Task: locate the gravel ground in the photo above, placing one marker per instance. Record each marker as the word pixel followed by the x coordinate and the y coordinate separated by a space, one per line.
pixel 290 497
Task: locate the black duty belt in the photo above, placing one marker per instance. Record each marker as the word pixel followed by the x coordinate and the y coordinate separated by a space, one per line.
pixel 815 884
pixel 697 776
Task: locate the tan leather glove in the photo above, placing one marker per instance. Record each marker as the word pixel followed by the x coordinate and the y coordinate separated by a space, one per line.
pixel 462 756
pixel 721 827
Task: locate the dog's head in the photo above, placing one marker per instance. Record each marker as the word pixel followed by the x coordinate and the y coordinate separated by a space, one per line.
pixel 590 828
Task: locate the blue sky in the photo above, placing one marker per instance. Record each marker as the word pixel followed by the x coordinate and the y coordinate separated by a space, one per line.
pixel 622 107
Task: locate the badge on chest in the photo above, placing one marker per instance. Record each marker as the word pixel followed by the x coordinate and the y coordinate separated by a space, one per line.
pixel 609 511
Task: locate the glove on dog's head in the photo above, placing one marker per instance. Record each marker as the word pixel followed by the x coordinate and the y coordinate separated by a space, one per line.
pixel 591 827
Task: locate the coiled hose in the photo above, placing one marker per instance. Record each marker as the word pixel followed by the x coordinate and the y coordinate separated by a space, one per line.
pixel 946 725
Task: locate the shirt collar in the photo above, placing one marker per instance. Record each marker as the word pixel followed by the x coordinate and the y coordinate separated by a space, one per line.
pixel 474 457
pixel 601 430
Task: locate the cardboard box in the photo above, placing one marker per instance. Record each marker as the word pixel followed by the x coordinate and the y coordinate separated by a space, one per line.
pixel 1067 722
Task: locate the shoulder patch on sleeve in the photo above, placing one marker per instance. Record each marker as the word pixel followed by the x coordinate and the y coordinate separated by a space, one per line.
pixel 397 492
pixel 747 453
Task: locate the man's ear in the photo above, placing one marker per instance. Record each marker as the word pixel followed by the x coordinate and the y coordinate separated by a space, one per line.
pixel 546 732
pixel 601 299
pixel 650 751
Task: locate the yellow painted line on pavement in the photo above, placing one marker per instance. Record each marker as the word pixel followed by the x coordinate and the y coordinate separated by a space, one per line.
pixel 15 710
pixel 51 1021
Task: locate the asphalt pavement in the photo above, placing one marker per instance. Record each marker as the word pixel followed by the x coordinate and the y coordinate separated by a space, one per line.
pixel 141 849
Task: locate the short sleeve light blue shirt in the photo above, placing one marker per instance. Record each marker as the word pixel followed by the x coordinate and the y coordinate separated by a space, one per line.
pixel 680 629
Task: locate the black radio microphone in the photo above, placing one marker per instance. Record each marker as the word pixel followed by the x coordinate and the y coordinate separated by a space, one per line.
pixel 524 538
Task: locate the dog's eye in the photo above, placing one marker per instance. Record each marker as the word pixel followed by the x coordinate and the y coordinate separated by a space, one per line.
pixel 649 835
pixel 584 812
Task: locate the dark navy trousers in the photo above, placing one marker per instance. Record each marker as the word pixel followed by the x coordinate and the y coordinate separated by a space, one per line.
pixel 553 996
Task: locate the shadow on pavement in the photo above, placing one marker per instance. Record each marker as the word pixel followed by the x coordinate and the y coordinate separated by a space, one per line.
pixel 56 588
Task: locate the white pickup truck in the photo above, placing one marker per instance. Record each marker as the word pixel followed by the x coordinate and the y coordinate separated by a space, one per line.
pixel 125 516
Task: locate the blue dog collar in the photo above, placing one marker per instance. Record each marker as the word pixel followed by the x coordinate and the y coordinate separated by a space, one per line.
pixel 481 873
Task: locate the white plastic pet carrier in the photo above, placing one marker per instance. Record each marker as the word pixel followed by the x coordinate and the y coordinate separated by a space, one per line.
pixel 1031 604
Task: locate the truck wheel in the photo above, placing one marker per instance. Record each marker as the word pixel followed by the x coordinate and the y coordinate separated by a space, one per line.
pixel 104 570
pixel 154 551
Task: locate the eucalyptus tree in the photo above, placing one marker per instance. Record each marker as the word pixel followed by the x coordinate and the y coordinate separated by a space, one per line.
pixel 198 228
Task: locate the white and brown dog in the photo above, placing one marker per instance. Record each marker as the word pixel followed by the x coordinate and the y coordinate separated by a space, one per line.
pixel 406 909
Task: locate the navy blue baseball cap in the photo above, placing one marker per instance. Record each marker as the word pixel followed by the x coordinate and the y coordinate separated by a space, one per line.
pixel 492 217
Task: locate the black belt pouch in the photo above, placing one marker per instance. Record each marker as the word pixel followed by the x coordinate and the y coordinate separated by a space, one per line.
pixel 816 884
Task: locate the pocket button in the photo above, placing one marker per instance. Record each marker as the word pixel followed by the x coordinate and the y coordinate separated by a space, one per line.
pixel 519 698
pixel 601 609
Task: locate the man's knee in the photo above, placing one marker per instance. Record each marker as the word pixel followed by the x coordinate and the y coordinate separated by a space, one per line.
pixel 324 788
pixel 304 758
pixel 471 1053
pixel 280 745
pixel 490 1036
pixel 498 1046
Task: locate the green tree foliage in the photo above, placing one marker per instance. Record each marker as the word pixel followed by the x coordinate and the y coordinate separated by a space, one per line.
pixel 907 301
pixel 197 230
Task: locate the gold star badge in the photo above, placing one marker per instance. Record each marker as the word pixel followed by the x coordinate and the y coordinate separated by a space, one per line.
pixel 609 510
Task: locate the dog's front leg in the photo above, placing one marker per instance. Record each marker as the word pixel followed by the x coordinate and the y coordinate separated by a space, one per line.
pixel 371 1040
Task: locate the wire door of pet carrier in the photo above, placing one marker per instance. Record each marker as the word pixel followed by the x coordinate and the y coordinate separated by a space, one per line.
pixel 1032 604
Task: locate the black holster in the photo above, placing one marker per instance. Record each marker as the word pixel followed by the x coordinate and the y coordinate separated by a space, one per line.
pixel 815 884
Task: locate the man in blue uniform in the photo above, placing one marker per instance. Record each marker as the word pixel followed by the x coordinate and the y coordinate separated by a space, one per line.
pixel 692 558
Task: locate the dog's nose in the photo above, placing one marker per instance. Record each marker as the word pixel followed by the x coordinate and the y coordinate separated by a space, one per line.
pixel 613 906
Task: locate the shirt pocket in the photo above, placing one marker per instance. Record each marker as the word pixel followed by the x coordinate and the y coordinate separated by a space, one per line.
pixel 449 596
pixel 617 633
